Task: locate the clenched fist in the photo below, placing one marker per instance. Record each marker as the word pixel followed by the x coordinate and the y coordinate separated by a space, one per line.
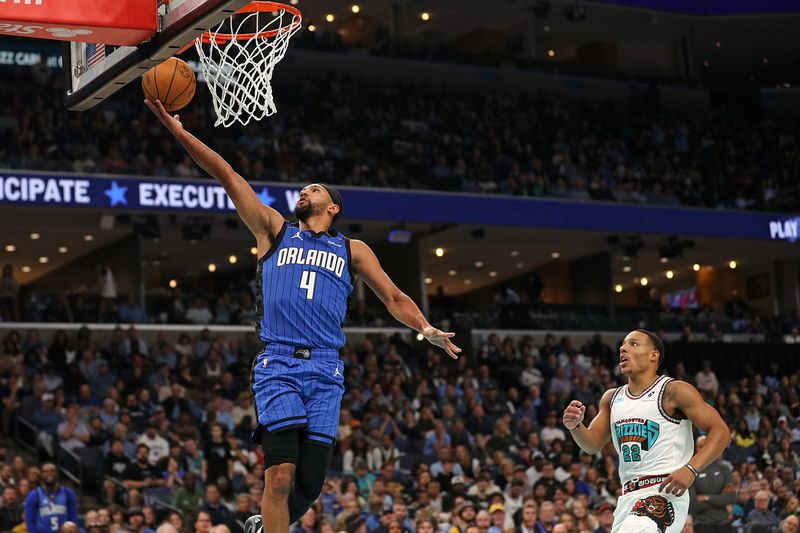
pixel 573 415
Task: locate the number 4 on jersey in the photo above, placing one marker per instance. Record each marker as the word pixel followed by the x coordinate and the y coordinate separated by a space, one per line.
pixel 307 282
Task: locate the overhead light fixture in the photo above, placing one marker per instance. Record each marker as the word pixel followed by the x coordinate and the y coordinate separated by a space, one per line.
pixel 452 272
pixel 551 53
pixel 519 265
pixel 294 2
pixel 173 283
pixel 670 274
pixel 232 259
pixel 88 238
pixel 492 274
pixel 663 260
pixel 212 267
pixel 478 264
pixel 355 8
pixel 439 252
pixel 420 337
pixel 10 248
pixel 253 250
pixel 696 267
pixel 63 249
pixel 425 16
pixel 643 281
pixel 627 268
pixel 329 17
pixel 765 61
pixel 35 236
pixel 718 44
pixel 43 260
pixel 618 288
pixel 312 28
pixel 428 281
pixel 732 264
pixel 555 255
pixel 26 269
pixel 467 282
pixel 514 253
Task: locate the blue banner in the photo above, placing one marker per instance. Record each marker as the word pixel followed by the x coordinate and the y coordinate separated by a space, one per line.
pixel 125 193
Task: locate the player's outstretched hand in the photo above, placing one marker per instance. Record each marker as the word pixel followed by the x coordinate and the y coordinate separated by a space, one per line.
pixel 441 339
pixel 173 123
pixel 677 482
pixel 573 415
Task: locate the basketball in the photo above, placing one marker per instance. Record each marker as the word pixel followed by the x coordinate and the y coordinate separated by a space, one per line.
pixel 172 82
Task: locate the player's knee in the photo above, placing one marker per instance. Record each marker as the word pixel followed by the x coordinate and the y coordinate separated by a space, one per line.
pixel 279 480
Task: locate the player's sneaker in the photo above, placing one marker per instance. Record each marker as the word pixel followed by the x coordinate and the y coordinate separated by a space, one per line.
pixel 254 524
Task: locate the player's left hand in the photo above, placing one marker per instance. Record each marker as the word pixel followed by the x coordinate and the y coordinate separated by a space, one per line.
pixel 441 339
pixel 677 482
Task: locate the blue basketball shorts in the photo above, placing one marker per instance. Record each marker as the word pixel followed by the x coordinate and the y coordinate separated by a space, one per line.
pixel 294 388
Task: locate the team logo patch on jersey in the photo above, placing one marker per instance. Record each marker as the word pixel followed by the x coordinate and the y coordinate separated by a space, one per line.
pixel 657 508
pixel 638 430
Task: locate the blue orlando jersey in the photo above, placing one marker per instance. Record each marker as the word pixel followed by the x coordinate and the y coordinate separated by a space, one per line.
pixel 304 285
pixel 46 513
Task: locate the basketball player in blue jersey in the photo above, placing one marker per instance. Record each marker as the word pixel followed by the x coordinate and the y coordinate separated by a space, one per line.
pixel 49 506
pixel 305 275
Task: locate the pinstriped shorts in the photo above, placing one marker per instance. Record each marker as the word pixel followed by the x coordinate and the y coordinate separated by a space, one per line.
pixel 293 392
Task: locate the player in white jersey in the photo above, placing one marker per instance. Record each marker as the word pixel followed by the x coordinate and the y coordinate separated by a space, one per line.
pixel 650 423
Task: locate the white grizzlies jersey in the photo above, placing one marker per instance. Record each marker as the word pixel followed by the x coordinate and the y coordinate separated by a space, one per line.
pixel 650 442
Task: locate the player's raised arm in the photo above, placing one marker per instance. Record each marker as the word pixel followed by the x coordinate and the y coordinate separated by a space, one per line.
pixel 262 220
pixel 397 302
pixel 590 439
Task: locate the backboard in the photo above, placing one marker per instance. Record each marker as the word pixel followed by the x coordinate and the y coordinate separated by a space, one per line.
pixel 95 71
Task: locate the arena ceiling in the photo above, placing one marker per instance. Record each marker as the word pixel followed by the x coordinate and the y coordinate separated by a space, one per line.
pixel 478 257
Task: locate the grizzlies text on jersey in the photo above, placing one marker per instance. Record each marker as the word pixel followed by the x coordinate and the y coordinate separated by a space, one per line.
pixel 304 285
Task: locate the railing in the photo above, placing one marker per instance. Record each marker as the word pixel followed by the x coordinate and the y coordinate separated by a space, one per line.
pixel 23 429
pixel 121 488
pixel 76 462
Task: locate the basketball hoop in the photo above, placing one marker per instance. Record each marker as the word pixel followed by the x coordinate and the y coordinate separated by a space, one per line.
pixel 238 57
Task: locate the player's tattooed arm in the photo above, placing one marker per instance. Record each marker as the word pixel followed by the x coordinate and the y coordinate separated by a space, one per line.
pixel 398 303
pixel 263 221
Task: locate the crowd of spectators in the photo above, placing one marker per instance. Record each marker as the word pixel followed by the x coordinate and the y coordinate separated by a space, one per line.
pixel 397 134
pixel 424 444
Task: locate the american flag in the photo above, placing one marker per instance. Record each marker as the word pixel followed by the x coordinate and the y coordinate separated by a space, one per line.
pixel 94 53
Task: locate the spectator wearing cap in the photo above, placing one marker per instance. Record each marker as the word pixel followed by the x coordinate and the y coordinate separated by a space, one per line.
pixel 501 520
pixel 115 464
pixel 605 518
pixel 136 522
pixel 355 523
pixel 47 420
pixel 761 514
pixel 710 495
pixel 513 495
pixel 157 445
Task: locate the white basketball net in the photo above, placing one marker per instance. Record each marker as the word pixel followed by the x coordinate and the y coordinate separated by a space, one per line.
pixel 238 71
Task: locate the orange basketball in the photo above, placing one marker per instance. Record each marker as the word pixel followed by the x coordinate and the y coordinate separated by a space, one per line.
pixel 172 82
